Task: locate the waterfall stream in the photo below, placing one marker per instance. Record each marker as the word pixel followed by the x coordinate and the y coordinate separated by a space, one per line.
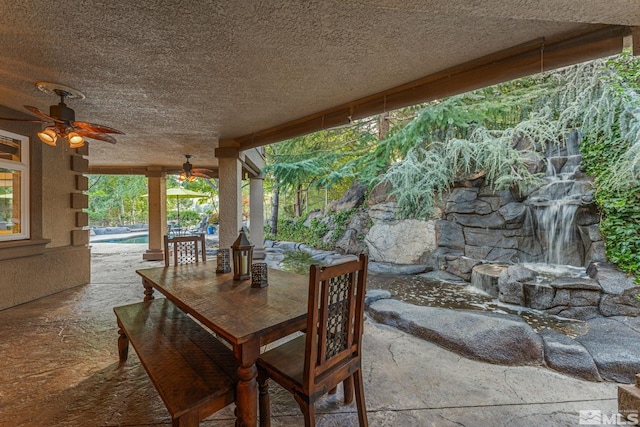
pixel 554 207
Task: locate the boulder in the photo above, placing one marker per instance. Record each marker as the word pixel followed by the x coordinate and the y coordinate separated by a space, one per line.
pixel 625 304
pixel 399 269
pixel 538 296
pixel 614 347
pixel 611 278
pixel 380 194
pixel 568 356
pixel 350 241
pixel 449 234
pixel 401 242
pixel 514 214
pixel 375 295
pixel 461 266
pixel 353 198
pixel 488 337
pixel 511 284
pixel 383 212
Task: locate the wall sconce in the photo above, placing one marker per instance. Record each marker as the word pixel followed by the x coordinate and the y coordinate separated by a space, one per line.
pixel 242 252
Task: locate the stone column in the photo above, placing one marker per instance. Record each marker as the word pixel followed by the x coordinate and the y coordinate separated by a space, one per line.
pixel 157 196
pixel 230 181
pixel 256 215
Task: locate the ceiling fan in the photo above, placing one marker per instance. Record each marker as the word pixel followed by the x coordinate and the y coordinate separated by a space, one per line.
pixel 63 119
pixel 189 173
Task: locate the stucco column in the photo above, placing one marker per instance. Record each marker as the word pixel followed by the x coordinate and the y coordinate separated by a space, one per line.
pixel 157 195
pixel 256 215
pixel 230 181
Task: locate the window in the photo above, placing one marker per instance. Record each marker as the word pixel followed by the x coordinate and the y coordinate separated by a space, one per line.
pixel 14 186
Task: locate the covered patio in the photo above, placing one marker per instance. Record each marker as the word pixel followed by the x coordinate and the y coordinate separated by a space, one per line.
pixel 218 80
pixel 60 368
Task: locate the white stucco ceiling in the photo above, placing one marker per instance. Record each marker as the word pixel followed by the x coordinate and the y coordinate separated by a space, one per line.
pixel 178 76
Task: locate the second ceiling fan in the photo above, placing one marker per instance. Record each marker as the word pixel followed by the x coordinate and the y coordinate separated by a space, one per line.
pixel 189 173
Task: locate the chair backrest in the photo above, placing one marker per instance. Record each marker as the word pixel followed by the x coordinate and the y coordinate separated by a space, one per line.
pixel 334 320
pixel 184 249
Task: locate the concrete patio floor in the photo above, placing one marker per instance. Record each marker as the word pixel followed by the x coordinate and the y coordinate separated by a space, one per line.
pixel 59 367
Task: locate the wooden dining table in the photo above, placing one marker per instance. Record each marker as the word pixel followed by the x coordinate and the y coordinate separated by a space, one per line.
pixel 246 317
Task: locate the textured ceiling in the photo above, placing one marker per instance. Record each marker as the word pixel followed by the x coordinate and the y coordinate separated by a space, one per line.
pixel 178 76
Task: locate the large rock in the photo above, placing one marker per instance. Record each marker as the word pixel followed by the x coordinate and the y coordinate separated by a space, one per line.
pixel 396 269
pixel 611 279
pixel 449 234
pixel 353 198
pixel 350 242
pixel 514 214
pixel 461 266
pixel 401 242
pixel 511 284
pixel 492 338
pixel 625 304
pixel 568 356
pixel 614 347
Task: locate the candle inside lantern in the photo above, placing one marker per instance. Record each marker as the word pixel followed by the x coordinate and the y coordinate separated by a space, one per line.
pixel 242 256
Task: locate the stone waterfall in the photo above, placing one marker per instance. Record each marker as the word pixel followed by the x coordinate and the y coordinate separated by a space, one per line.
pixel 542 250
pixel 554 206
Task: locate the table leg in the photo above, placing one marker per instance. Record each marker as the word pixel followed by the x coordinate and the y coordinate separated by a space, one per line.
pixel 148 290
pixel 247 388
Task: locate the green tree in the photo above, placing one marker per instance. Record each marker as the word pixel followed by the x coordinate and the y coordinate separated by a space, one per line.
pixel 117 199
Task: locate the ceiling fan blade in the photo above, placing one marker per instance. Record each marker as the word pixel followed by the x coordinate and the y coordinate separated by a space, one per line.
pixel 201 170
pixel 98 136
pixel 23 120
pixel 94 128
pixel 201 175
pixel 37 112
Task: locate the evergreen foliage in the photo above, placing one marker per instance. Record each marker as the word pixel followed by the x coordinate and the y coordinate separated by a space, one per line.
pixel 478 132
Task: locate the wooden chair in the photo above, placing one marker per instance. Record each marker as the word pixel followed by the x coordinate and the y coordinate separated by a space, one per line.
pixel 330 352
pixel 184 249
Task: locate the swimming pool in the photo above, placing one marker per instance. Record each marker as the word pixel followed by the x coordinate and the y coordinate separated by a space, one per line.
pixel 133 239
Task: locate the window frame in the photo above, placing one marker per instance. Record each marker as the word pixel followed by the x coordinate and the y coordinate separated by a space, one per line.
pixel 23 166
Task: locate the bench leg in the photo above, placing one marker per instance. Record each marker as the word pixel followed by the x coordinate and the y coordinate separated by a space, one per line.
pixel 190 419
pixel 123 343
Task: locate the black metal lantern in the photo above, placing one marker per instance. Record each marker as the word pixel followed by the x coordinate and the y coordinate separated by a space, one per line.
pixel 242 252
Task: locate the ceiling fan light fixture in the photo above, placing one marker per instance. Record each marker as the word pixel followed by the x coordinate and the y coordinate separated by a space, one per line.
pixel 183 176
pixel 192 178
pixel 48 136
pixel 75 140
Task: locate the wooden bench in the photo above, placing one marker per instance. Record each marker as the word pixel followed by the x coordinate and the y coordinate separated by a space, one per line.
pixel 194 373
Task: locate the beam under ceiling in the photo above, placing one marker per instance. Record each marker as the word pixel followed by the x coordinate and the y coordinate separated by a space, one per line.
pixel 526 59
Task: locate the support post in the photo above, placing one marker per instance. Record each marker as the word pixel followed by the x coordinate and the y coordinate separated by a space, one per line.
pixel 256 215
pixel 230 180
pixel 157 194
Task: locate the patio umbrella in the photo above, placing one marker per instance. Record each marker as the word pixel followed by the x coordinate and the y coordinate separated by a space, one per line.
pixel 182 193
